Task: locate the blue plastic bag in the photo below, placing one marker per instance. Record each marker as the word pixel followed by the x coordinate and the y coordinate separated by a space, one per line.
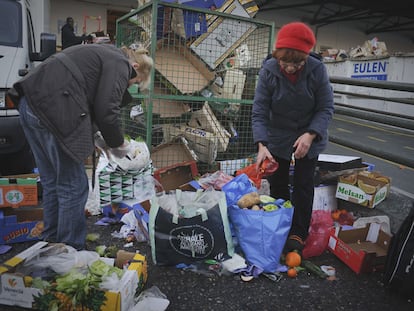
pixel 261 234
pixel 236 188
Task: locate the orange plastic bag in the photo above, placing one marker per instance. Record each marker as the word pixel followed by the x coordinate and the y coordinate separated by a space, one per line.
pixel 267 168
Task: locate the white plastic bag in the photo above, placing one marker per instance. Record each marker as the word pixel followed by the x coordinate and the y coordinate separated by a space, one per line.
pixel 60 258
pixel 146 187
pixel 151 299
pixel 135 160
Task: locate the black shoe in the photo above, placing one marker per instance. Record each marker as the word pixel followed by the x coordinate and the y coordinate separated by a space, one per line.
pixel 294 243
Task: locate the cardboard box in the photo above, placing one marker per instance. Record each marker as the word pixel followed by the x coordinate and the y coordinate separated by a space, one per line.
pixel 176 63
pixel 206 120
pixel 189 24
pixel 190 186
pixel 231 87
pixel 174 176
pixel 19 190
pixel 362 249
pixel 204 144
pixel 20 224
pixel 167 108
pixel 249 5
pixel 133 281
pixel 324 198
pixel 333 162
pixel 15 292
pixel 175 152
pixel 234 81
pixel 141 25
pixel 364 188
pixel 224 35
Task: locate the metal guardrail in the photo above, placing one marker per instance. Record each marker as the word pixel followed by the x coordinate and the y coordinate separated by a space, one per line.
pixel 388 85
pixel 404 122
pixel 386 117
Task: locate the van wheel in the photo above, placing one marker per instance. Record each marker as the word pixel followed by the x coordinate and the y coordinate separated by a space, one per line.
pixel 21 162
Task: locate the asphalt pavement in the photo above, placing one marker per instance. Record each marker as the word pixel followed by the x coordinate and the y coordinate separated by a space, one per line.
pixel 207 290
pixel 390 148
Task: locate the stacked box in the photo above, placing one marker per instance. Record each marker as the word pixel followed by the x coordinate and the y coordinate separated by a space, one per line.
pixel 175 152
pixel 187 73
pixel 232 87
pixel 364 188
pixel 18 191
pixel 206 120
pixel 204 144
pixel 20 224
pixel 191 43
pixel 16 291
pixel 225 35
pixel 189 24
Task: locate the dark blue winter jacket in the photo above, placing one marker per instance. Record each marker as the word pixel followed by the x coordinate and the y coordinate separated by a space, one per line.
pixel 282 110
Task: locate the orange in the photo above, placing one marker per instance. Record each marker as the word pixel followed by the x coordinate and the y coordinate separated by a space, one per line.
pixel 292 272
pixel 293 259
pixel 335 214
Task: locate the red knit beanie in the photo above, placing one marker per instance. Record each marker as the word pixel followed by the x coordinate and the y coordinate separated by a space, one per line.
pixel 297 36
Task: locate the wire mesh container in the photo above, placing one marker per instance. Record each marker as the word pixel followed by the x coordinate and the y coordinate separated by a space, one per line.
pixel 207 59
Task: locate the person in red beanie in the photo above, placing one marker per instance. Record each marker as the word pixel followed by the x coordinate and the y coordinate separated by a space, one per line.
pixel 292 108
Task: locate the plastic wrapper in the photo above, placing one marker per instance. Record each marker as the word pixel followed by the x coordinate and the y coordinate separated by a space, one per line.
pixel 59 258
pixel 136 225
pixel 151 299
pixel 216 180
pixel 137 159
pixel 256 175
pixel 145 187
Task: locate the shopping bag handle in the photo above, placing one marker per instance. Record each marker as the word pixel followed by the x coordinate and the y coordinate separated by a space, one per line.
pixel 202 212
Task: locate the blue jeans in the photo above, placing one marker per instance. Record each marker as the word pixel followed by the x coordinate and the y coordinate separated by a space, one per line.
pixel 64 182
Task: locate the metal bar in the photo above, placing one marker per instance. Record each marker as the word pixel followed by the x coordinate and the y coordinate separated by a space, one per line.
pixel 396 100
pixel 387 85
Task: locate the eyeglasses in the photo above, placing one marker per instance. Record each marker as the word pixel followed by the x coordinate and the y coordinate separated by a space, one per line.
pixel 296 66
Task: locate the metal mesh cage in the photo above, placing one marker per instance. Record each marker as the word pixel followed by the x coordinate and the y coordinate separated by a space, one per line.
pixel 206 66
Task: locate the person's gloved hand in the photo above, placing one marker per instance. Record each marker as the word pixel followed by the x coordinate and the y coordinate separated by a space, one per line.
pixel 99 140
pixel 122 150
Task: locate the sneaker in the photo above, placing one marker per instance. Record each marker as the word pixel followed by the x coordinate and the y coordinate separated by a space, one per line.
pixel 294 243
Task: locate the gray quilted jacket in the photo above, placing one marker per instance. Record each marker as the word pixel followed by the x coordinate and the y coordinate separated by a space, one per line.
pixel 78 91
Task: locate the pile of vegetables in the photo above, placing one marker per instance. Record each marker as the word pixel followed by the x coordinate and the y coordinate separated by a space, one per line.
pixel 257 202
pixel 77 290
pixel 293 260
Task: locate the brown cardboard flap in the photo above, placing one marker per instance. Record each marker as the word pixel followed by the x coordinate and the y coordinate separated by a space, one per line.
pixel 181 67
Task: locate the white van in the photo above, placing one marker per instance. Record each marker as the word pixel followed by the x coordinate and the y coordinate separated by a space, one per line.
pixel 23 44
